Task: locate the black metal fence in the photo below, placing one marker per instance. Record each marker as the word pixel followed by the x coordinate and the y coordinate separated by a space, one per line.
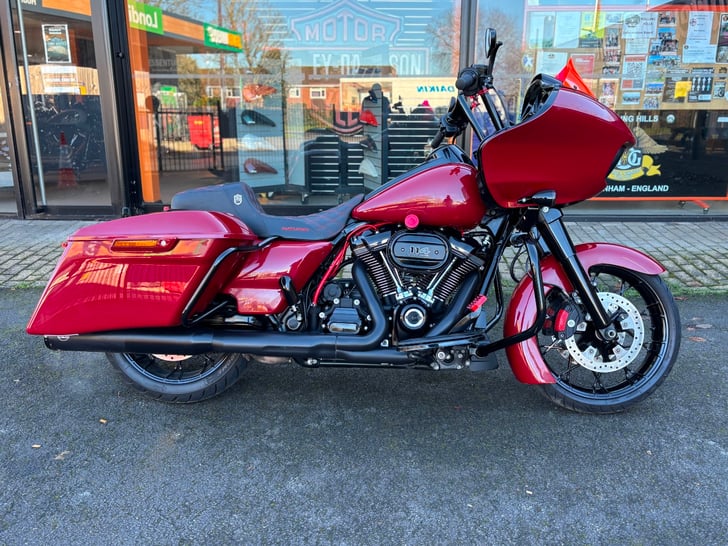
pixel 188 140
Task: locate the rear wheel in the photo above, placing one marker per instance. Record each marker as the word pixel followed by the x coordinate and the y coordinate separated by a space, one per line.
pixel 598 376
pixel 179 378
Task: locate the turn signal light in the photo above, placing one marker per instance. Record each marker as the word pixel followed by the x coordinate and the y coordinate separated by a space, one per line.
pixel 144 245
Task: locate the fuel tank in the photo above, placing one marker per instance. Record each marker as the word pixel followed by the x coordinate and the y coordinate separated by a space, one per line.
pixel 442 192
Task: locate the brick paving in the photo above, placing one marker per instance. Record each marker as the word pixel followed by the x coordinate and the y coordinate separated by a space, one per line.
pixel 694 253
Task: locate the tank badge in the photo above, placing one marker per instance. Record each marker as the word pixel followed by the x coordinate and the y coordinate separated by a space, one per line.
pixel 238 199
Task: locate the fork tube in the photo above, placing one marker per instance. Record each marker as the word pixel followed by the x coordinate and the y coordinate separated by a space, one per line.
pixel 551 227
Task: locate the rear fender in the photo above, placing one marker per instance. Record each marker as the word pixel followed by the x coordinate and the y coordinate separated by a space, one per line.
pixel 525 358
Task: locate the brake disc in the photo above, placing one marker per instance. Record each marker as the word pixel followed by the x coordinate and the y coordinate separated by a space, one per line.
pixel 172 358
pixel 626 347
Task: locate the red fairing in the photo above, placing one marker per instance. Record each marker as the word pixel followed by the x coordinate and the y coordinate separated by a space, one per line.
pixel 257 288
pixel 137 272
pixel 445 194
pixel 569 147
pixel 525 358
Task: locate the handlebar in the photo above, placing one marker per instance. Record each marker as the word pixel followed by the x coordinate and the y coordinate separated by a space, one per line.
pixel 468 81
pixel 439 137
pixel 473 81
pixel 451 124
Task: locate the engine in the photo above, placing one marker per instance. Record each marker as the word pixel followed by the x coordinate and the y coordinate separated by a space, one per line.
pixel 416 273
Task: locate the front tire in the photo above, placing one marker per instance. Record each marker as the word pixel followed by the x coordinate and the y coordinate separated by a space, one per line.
pixel 594 376
pixel 179 378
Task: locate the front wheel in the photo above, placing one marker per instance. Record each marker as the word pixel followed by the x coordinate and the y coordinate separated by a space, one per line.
pixel 598 376
pixel 179 378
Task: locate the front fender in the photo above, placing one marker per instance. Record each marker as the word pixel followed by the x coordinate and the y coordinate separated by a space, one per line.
pixel 525 358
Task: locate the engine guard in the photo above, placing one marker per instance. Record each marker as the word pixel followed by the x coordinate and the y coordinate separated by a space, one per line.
pixel 525 358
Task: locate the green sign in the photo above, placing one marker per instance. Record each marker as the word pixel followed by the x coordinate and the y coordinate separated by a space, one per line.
pixel 222 38
pixel 147 18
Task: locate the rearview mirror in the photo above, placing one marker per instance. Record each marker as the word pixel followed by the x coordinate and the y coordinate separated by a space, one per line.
pixel 491 39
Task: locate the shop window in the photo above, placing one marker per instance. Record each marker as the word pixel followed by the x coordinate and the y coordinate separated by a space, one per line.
pixel 663 69
pixel 7 193
pixel 64 119
pixel 308 76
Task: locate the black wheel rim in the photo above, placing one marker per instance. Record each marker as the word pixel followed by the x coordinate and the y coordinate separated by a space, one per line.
pixel 179 372
pixel 595 386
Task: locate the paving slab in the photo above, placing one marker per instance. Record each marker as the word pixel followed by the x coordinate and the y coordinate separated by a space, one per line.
pixel 695 254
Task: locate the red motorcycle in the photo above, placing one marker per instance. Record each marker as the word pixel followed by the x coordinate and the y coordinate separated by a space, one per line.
pixel 406 276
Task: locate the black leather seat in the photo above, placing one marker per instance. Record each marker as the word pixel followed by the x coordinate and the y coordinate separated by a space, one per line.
pixel 239 199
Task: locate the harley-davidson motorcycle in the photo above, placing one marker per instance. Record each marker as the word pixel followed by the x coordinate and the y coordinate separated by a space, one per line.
pixel 406 276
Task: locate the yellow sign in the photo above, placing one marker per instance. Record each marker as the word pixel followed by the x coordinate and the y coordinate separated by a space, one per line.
pixel 634 164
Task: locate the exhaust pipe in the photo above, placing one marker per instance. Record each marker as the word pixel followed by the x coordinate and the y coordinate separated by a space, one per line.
pixel 186 342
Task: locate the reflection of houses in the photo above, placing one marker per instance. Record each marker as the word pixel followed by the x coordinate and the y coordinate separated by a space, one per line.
pixel 318 90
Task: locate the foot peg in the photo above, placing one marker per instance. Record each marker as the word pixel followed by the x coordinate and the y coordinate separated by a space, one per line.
pixel 483 363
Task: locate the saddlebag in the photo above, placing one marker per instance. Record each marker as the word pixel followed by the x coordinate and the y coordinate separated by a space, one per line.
pixel 139 272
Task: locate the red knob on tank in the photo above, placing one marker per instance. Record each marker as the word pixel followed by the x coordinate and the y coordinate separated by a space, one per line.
pixel 411 221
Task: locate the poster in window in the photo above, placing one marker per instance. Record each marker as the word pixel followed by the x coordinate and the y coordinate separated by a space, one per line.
pixel 584 63
pixel 56 43
pixel 721 55
pixel 541 30
pixel 700 27
pixel 719 90
pixel 639 26
pixel 566 33
pixel 633 72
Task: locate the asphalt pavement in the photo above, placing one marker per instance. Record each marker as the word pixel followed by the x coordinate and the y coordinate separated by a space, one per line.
pixel 333 456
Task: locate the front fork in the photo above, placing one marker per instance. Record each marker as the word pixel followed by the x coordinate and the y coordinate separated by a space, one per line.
pixel 551 227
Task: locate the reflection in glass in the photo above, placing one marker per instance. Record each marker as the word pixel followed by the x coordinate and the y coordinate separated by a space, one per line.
pixel 62 109
pixel 7 193
pixel 278 94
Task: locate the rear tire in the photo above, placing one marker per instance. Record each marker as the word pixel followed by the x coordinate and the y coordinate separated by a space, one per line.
pixel 593 376
pixel 179 378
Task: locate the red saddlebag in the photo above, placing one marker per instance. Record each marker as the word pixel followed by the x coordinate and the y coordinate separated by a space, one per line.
pixel 138 272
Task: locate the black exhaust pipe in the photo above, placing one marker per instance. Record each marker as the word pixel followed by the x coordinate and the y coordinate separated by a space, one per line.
pixel 198 341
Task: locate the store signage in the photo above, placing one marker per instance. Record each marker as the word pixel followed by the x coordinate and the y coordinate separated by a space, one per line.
pixel 221 38
pixel 640 118
pixel 430 89
pixel 634 164
pixel 146 18
pixel 346 23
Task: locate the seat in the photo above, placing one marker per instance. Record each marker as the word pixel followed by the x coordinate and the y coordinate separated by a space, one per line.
pixel 239 199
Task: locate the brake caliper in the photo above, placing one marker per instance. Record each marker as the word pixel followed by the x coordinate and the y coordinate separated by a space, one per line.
pixel 562 316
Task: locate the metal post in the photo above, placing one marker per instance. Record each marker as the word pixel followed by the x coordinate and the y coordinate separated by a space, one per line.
pixel 31 107
pixel 468 35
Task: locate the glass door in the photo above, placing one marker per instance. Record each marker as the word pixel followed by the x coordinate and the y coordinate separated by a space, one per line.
pixel 7 188
pixel 64 121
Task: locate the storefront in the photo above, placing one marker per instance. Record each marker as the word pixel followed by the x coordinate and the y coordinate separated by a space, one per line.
pixel 110 108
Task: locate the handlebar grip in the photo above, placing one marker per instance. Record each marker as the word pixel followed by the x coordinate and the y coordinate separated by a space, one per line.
pixel 439 137
pixel 467 80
